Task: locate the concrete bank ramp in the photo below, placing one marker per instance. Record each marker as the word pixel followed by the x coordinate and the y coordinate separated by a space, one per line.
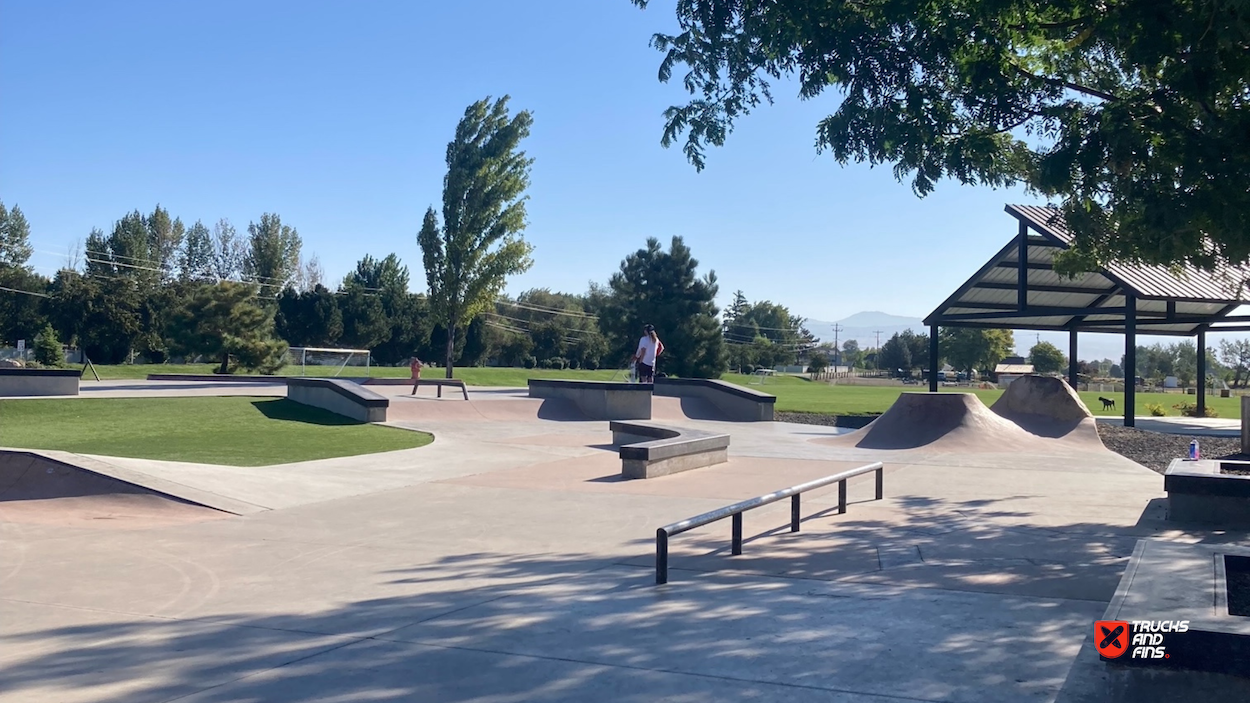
pixel 37 488
pixel 406 408
pixel 663 408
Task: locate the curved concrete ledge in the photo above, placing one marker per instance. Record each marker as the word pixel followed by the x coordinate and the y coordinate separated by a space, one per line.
pixel 738 404
pixel 342 397
pixel 38 382
pixel 649 450
pixel 598 400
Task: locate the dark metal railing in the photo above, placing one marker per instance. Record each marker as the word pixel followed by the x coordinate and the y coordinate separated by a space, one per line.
pixel 737 509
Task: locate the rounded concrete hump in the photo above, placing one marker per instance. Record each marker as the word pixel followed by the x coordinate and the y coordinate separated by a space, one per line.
pixel 1044 396
pixel 1048 407
pixel 917 419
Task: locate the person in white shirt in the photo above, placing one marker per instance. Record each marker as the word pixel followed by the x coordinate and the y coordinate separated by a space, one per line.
pixel 649 348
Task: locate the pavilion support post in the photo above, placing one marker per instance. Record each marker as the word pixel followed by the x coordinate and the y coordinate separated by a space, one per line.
pixel 1073 377
pixel 933 358
pixel 1022 272
pixel 1130 360
pixel 1202 372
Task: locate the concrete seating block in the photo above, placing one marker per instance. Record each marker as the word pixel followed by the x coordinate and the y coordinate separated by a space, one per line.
pixel 649 450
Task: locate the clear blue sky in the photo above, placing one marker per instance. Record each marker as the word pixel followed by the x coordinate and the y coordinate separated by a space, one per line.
pixel 336 116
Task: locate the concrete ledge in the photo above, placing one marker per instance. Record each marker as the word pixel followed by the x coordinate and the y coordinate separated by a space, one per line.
pixel 649 450
pixel 738 404
pixel 598 400
pixel 338 396
pixel 1173 581
pixel 38 382
pixel 1199 492
pixel 226 377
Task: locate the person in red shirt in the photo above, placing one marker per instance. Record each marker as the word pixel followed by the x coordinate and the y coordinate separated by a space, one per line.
pixel 415 367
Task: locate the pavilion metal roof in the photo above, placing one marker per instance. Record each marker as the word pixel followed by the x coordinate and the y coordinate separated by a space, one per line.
pixel 1166 302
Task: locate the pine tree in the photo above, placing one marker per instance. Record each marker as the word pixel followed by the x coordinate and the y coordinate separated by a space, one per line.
pixel 225 321
pixel 48 350
pixel 663 289
pixel 15 249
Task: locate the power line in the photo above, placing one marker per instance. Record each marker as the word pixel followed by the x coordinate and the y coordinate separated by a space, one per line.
pixel 530 322
pixel 552 311
pixel 27 292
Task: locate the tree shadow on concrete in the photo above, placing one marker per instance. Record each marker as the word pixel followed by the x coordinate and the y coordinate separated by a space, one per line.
pixel 992 608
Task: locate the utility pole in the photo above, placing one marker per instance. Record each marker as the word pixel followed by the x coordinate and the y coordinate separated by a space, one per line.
pixel 876 357
pixel 837 350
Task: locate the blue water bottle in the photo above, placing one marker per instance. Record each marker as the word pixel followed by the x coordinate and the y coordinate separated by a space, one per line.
pixel 1193 450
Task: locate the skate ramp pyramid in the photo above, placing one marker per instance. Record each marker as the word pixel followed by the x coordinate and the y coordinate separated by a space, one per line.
pixel 1047 407
pixel 1041 415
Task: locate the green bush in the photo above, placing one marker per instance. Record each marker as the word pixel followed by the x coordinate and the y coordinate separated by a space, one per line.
pixel 530 362
pixel 1156 409
pixel 1191 410
pixel 48 348
pixel 558 363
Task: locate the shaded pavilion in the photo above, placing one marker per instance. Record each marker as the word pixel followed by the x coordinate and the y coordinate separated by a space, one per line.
pixel 1018 288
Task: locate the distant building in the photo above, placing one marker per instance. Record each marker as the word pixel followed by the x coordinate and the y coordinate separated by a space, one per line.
pixel 1011 368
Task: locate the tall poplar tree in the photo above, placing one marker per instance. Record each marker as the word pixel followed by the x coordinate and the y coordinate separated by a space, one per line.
pixel 15 247
pixel 272 258
pixel 469 256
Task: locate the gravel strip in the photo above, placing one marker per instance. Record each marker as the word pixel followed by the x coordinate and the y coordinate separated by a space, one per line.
pixel 1156 450
pixel 806 418
pixel 1153 450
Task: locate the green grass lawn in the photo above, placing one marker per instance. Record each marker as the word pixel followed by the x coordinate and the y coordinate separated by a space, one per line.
pixel 796 394
pixel 234 431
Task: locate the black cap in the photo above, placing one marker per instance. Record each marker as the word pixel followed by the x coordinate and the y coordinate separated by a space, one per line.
pixel 648 328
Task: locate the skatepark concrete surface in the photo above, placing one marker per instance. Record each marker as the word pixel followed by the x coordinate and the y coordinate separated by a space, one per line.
pixel 507 561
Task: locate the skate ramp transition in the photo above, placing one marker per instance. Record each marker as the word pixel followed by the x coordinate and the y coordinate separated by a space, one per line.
pixel 1038 415
pixel 1047 407
pixel 426 410
pixel 597 400
pixel 31 483
pixel 725 401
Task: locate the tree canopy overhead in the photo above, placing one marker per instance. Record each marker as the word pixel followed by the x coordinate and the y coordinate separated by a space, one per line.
pixel 1135 114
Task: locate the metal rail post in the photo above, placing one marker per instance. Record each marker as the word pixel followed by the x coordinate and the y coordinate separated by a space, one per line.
pixel 880 482
pixel 661 556
pixel 794 512
pixel 842 497
pixel 737 536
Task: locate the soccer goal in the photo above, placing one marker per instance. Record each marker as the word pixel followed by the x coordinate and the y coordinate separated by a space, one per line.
pixel 315 359
pixel 761 377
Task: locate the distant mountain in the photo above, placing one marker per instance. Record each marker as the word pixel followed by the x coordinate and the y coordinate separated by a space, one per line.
pixel 863 328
